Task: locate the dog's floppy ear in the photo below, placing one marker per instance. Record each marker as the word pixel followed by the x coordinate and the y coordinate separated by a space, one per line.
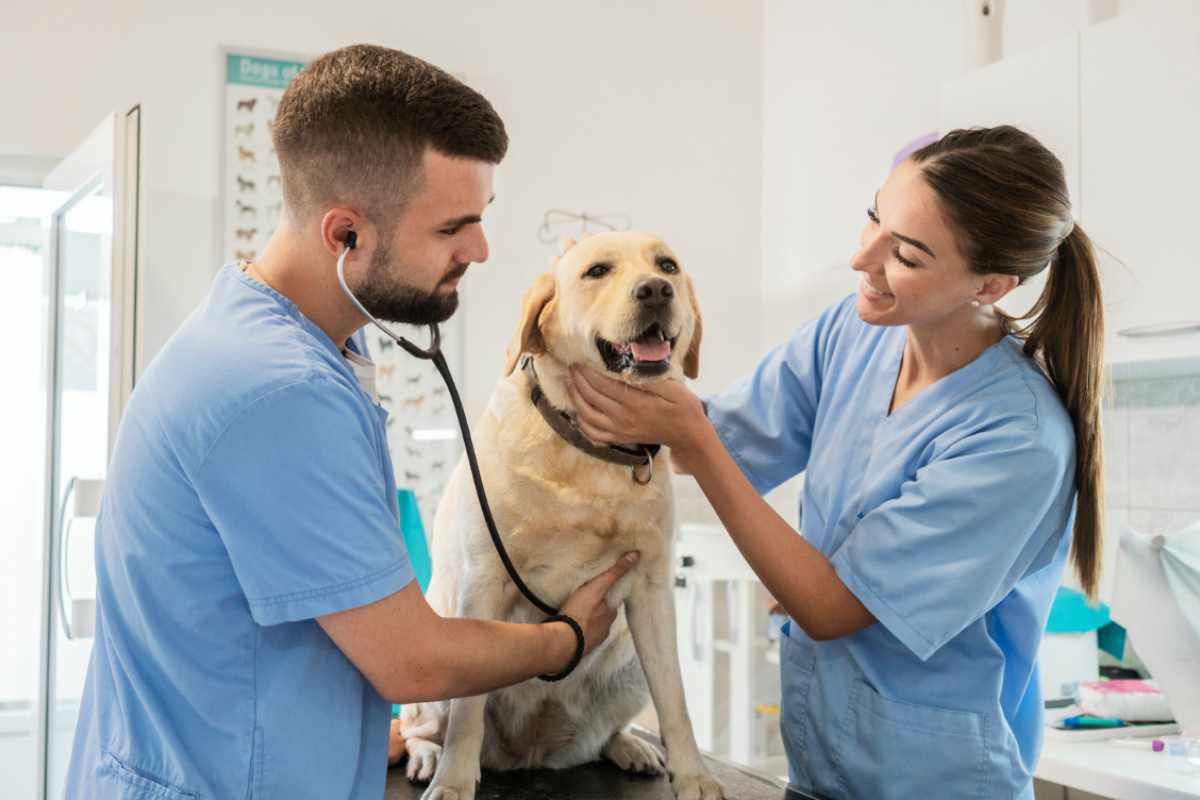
pixel 528 338
pixel 691 359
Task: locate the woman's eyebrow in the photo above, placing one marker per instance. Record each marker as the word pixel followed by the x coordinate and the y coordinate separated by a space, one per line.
pixel 917 243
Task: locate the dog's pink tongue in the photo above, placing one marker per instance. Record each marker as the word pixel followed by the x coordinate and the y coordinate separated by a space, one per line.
pixel 655 351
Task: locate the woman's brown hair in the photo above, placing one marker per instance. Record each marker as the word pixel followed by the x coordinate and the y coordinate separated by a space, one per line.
pixel 1006 195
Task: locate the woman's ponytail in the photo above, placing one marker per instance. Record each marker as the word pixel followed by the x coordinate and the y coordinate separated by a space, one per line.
pixel 1067 337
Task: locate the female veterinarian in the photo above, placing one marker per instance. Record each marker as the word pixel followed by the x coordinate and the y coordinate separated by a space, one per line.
pixel 948 456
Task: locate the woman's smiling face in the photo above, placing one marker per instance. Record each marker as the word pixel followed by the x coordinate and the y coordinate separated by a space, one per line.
pixel 913 272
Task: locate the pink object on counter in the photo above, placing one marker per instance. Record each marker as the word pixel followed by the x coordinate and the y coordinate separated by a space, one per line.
pixel 1130 700
pixel 1136 686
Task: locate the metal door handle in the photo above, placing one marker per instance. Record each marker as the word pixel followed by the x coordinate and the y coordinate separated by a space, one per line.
pixel 81 621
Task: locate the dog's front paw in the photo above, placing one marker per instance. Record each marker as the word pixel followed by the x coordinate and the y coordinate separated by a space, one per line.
pixel 436 792
pixel 634 754
pixel 455 778
pixel 698 786
pixel 423 757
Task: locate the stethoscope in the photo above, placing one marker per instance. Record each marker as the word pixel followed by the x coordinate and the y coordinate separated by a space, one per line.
pixel 434 353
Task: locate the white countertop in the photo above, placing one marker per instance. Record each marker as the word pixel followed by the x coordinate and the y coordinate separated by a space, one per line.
pixel 1118 772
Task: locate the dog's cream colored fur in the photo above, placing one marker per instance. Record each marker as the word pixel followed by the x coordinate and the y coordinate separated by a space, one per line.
pixel 565 517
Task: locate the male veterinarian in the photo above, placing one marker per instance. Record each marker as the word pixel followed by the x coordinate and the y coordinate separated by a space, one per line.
pixel 256 612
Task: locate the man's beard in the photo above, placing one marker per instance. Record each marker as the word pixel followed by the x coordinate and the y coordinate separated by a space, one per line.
pixel 389 299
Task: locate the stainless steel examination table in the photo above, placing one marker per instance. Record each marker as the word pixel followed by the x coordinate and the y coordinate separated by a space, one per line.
pixel 597 781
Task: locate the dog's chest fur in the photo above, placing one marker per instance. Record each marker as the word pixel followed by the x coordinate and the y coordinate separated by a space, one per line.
pixel 568 516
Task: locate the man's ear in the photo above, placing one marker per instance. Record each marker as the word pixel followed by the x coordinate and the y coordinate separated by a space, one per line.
pixel 538 302
pixel 691 360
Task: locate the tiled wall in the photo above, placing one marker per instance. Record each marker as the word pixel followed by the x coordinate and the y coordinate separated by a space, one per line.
pixel 1152 450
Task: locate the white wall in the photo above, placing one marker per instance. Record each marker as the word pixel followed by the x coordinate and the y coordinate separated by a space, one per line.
pixel 846 85
pixel 653 109
pixel 843 90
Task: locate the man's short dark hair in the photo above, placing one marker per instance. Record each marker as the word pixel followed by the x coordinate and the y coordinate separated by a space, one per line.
pixel 353 125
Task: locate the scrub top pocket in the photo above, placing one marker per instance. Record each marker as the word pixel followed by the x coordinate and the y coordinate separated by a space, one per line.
pixel 894 749
pixel 126 783
pixel 796 668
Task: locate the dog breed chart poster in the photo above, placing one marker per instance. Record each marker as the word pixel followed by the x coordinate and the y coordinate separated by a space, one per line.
pixel 251 192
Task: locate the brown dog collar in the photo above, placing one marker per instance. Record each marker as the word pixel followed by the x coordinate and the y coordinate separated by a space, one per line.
pixel 639 458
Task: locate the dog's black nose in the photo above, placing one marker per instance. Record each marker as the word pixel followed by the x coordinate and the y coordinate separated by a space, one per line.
pixel 654 292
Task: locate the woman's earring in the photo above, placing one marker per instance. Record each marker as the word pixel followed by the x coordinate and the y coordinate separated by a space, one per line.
pixel 975 303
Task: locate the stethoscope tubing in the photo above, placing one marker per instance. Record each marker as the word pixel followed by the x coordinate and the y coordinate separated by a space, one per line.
pixel 434 353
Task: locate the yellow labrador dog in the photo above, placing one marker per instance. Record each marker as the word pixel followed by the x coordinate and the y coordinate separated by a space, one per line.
pixel 618 302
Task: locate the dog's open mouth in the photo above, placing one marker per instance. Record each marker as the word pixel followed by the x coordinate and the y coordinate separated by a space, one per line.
pixel 648 354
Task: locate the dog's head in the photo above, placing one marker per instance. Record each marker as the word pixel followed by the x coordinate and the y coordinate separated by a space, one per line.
pixel 618 302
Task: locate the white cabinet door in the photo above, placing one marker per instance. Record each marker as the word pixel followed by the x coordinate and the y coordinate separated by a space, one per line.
pixel 1140 106
pixel 1037 91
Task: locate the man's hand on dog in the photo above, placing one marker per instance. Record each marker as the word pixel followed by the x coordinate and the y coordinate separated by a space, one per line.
pixel 588 607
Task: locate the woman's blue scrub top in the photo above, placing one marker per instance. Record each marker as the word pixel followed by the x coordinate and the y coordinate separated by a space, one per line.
pixel 250 492
pixel 949 520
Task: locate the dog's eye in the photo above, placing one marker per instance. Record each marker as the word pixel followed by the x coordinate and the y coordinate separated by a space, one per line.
pixel 598 270
pixel 668 266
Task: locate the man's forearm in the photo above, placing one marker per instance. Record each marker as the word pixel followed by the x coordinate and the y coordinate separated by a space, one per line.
pixel 473 656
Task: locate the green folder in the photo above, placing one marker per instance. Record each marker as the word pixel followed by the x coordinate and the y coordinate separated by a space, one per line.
pixel 414 537
pixel 1072 613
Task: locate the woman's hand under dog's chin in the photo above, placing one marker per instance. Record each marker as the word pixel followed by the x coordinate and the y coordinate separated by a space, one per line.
pixel 612 412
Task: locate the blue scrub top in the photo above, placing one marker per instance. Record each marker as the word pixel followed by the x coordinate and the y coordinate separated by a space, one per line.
pixel 950 521
pixel 250 491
